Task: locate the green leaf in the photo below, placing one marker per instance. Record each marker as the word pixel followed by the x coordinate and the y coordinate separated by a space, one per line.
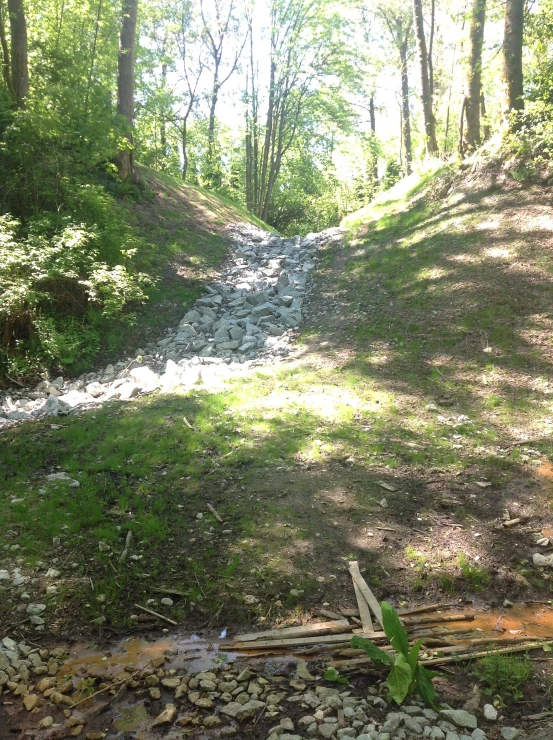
pixel 331 674
pixel 375 653
pixel 425 687
pixel 395 631
pixel 399 679
pixel 413 656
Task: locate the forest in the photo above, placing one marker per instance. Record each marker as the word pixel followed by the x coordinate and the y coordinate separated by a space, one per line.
pixel 300 111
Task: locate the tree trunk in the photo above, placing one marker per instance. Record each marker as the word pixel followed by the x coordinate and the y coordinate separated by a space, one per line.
pixel 184 134
pixel 125 84
pixel 163 122
pixel 6 70
pixel 405 112
pixel 426 94
pixel 19 55
pixel 487 131
pixel 512 56
pixel 461 136
pixel 93 54
pixel 474 75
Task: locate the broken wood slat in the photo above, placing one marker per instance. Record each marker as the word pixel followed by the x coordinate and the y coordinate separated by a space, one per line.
pixel 309 630
pixel 365 590
pixel 171 591
pixel 438 620
pixel 328 614
pixel 299 641
pixel 349 612
pixel 421 609
pixel 482 654
pixel 364 610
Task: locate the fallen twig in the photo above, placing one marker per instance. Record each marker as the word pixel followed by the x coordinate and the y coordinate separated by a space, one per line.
pixel 107 688
pixel 215 514
pixel 156 614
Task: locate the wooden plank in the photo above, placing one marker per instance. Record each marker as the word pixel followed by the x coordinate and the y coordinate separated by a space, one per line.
pixel 421 609
pixel 308 630
pixel 155 614
pixel 365 590
pixel 483 654
pixel 438 620
pixel 299 641
pixel 364 610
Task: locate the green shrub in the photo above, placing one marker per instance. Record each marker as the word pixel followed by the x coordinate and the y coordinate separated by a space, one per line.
pixel 503 674
pixel 56 289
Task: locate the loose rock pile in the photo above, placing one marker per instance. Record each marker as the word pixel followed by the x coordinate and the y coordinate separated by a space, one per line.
pixel 229 702
pixel 247 317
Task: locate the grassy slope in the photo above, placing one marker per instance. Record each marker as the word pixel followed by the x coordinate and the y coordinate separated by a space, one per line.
pixel 185 230
pixel 424 363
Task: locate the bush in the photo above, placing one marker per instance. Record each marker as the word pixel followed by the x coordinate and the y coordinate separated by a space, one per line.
pixel 503 674
pixel 55 285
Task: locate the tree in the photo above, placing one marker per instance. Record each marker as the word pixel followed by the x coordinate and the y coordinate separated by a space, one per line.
pixel 125 85
pixel 19 53
pixel 472 101
pixel 512 56
pixel 219 30
pixel 426 88
pixel 397 21
pixel 305 49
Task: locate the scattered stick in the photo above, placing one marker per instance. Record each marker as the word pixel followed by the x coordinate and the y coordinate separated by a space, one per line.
pixel 171 591
pixel 188 424
pixel 483 654
pixel 261 713
pixel 386 529
pixel 309 630
pixel 513 522
pixel 364 610
pixel 327 613
pixel 437 620
pixel 215 514
pixel 106 688
pixel 156 614
pixel 300 641
pixel 421 609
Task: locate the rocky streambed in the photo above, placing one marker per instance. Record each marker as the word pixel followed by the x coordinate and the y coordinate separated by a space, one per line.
pixel 249 316
pixel 187 688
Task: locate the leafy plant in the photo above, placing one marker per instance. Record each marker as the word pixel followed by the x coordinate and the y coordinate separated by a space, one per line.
pixel 503 674
pixel 477 577
pixel 332 675
pixel 408 676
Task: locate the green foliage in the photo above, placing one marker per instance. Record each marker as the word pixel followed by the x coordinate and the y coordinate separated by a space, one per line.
pixel 332 675
pixel 503 675
pixel 477 577
pixel 408 675
pixel 55 283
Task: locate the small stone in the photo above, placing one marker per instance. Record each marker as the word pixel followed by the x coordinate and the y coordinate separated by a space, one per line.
pixel 76 731
pixel 460 718
pixel 490 712
pixel 155 693
pixel 478 734
pixel 327 731
pixel 170 683
pixel 296 592
pixel 166 717
pixel 211 721
pixel 166 601
pixel 30 701
pixel 45 723
pixel 510 733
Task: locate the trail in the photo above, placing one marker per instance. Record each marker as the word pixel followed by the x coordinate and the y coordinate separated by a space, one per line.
pixel 249 317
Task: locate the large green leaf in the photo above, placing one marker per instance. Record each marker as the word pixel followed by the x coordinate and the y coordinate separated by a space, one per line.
pixel 395 631
pixel 425 687
pixel 413 656
pixel 399 679
pixel 375 653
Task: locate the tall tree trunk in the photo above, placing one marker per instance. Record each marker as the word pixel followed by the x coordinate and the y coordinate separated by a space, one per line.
pixel 512 56
pixel 19 54
pixel 487 131
pixel 426 93
pixel 213 174
pixel 125 84
pixel 474 75
pixel 6 67
pixel 93 54
pixel 374 163
pixel 163 122
pixel 184 140
pixel 405 112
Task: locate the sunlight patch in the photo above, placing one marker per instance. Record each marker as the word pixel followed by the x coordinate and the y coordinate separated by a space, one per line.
pixel 499 253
